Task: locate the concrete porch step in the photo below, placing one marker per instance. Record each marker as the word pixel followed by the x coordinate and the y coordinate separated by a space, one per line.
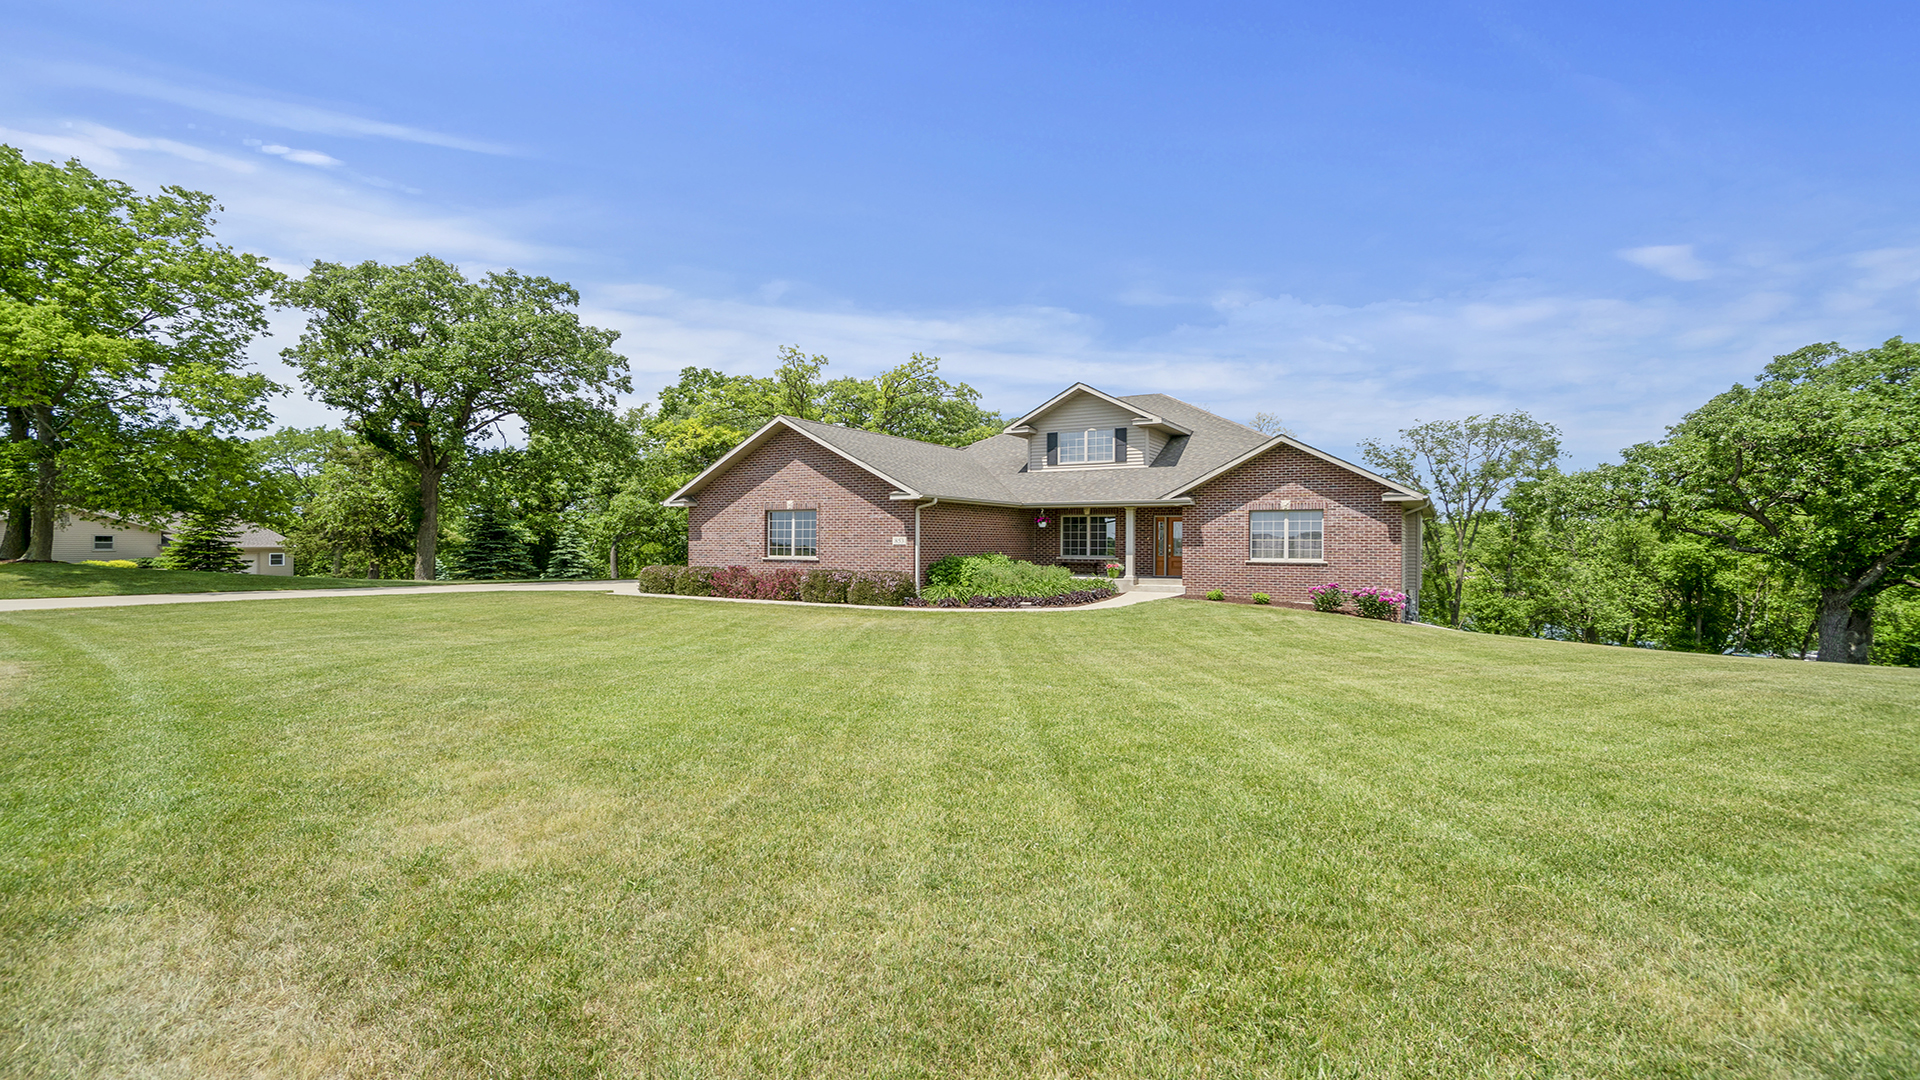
pixel 1154 585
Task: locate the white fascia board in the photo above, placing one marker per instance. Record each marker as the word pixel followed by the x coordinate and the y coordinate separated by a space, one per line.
pixel 682 497
pixel 1287 440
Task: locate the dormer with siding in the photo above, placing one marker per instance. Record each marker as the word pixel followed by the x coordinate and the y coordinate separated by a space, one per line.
pixel 1082 428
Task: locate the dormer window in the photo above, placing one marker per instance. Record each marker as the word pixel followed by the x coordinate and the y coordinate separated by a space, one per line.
pixel 1083 447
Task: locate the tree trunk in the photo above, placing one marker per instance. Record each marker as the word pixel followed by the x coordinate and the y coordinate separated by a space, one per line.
pixel 20 514
pixel 427 540
pixel 1846 635
pixel 46 488
pixel 336 560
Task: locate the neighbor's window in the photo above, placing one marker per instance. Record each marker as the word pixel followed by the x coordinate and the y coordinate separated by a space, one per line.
pixel 1286 534
pixel 1080 447
pixel 1088 537
pixel 103 543
pixel 276 558
pixel 790 533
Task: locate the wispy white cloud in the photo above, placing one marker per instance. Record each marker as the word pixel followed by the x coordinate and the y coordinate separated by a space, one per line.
pixel 258 108
pixel 300 157
pixel 1676 261
pixel 101 146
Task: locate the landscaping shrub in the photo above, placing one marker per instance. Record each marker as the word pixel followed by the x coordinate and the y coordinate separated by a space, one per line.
pixel 879 588
pixel 657 579
pixel 1216 594
pixel 779 584
pixel 1378 603
pixel 734 581
pixel 995 575
pixel 951 570
pixel 1262 598
pixel 111 564
pixel 1065 599
pixel 694 580
pixel 1327 597
pixel 824 586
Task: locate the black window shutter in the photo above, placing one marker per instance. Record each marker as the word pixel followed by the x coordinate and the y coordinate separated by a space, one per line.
pixel 1120 444
pixel 1053 448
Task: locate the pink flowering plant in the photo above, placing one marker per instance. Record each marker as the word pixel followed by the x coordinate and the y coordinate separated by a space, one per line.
pixel 1378 603
pixel 1327 597
pixel 1040 520
pixel 1115 569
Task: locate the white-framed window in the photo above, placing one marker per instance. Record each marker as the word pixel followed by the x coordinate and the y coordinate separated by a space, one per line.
pixel 276 558
pixel 103 543
pixel 1087 536
pixel 1286 534
pixel 1082 447
pixel 790 534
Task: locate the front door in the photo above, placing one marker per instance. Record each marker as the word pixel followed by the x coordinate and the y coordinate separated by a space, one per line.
pixel 1166 547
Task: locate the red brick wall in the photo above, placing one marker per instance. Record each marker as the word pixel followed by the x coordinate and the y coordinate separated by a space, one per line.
pixel 1362 545
pixel 727 525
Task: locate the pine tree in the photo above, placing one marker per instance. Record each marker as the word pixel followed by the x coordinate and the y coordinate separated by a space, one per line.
pixel 204 542
pixel 569 560
pixel 494 549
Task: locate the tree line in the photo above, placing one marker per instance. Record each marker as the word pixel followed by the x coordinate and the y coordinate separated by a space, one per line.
pixel 1778 519
pixel 482 439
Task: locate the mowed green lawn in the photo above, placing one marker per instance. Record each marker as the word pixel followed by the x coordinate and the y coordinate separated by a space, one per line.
pixel 19 580
pixel 581 835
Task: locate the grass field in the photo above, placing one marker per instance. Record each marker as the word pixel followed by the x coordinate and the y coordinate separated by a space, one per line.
pixel 19 580
pixel 582 835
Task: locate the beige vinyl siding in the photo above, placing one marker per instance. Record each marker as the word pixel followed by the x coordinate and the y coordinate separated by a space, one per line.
pixel 260 562
pixel 1412 533
pixel 73 540
pixel 1079 413
pixel 1156 442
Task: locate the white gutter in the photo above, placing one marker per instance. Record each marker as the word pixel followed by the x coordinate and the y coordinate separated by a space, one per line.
pixel 917 507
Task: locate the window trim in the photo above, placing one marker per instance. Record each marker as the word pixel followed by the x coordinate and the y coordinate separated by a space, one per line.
pixel 1287 540
pixel 794 550
pixel 1113 528
pixel 276 558
pixel 1086 437
pixel 109 538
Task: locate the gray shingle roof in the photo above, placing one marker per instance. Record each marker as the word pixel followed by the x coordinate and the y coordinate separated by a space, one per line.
pixel 994 470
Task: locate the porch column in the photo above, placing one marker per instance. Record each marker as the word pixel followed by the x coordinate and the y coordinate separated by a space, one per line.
pixel 1128 572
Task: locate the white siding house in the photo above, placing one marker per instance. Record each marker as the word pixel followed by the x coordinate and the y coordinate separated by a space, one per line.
pixel 83 537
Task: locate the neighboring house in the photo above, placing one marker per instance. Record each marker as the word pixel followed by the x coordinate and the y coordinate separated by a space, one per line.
pixel 79 537
pixel 1170 490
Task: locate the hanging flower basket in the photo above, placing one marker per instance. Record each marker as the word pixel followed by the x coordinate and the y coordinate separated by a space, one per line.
pixel 1040 521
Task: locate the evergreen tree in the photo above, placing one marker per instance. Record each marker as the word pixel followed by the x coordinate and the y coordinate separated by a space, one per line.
pixel 494 549
pixel 570 560
pixel 205 542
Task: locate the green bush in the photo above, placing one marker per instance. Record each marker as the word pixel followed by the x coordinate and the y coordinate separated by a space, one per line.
pixel 1216 594
pixel 1262 598
pixel 495 549
pixel 657 579
pixel 879 588
pixel 694 580
pixel 824 586
pixel 996 575
pixel 111 564
pixel 951 570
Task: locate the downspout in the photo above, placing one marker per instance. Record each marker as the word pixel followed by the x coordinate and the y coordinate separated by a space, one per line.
pixel 917 507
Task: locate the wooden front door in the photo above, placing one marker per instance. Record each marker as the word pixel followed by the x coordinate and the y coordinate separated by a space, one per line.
pixel 1166 547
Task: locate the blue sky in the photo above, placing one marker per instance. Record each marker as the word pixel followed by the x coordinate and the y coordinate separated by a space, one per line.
pixel 1354 216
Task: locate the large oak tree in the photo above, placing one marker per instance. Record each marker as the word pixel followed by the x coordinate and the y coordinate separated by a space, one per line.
pixel 123 332
pixel 1816 466
pixel 423 361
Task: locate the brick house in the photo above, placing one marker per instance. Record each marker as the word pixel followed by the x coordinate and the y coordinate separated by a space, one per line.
pixel 1180 497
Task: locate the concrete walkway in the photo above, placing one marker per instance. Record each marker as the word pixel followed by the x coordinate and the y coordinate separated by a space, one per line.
pixel 623 588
